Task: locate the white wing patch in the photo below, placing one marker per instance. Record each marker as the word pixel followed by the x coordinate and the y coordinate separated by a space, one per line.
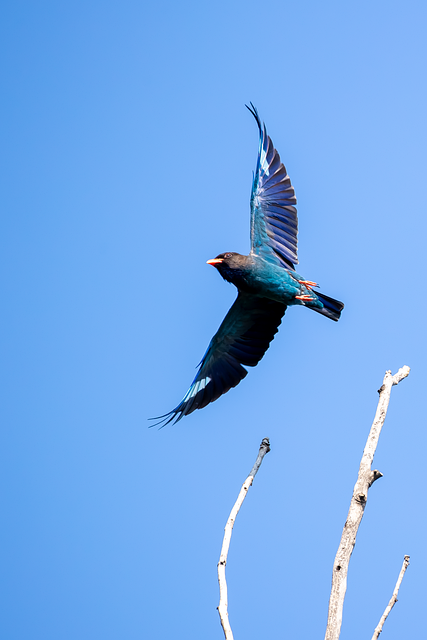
pixel 201 384
pixel 263 162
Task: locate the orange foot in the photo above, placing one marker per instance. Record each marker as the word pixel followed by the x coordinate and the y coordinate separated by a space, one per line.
pixel 304 298
pixel 308 283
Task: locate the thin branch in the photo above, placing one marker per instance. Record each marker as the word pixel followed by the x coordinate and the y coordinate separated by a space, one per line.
pixel 393 599
pixel 223 597
pixel 365 479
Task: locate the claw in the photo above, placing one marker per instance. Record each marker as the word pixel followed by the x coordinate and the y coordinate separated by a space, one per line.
pixel 304 298
pixel 308 283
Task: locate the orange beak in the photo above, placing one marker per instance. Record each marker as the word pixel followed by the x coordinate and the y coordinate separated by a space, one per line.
pixel 214 261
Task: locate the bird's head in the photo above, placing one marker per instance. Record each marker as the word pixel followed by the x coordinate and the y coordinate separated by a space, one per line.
pixel 230 265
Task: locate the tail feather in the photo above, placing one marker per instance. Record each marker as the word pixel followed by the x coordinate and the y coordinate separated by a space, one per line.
pixel 331 308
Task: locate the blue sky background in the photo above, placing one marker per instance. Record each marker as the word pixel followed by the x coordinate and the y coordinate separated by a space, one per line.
pixel 127 163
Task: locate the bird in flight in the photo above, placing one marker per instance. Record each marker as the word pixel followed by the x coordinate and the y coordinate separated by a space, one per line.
pixel 266 281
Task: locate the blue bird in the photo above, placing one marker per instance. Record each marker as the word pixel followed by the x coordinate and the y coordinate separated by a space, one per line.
pixel 266 281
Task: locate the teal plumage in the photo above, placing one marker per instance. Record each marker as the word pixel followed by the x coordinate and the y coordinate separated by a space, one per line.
pixel 266 281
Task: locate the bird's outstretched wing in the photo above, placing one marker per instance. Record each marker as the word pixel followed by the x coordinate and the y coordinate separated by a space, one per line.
pixel 274 220
pixel 242 339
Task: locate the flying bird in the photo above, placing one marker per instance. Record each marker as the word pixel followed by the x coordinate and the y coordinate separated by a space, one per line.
pixel 266 281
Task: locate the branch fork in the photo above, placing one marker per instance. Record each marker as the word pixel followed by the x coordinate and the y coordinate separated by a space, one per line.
pixel 366 478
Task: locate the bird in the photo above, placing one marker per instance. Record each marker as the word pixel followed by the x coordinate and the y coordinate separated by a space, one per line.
pixel 266 281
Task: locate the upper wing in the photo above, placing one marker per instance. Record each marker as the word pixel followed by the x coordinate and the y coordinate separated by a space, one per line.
pixel 274 220
pixel 242 339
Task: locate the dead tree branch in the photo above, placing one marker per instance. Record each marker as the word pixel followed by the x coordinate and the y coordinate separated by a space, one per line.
pixel 223 596
pixel 393 599
pixel 365 479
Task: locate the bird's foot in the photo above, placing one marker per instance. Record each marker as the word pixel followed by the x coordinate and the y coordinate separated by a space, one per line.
pixel 308 283
pixel 303 298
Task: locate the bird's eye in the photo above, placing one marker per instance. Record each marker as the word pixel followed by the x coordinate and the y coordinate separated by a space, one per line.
pixel 227 255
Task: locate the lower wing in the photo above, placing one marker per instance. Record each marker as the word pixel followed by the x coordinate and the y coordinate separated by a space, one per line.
pixel 242 339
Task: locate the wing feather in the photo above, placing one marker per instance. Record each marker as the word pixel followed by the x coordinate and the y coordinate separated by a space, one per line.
pixel 242 339
pixel 272 201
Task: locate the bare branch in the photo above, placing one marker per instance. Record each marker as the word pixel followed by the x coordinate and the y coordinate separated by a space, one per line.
pixel 223 597
pixel 393 599
pixel 365 479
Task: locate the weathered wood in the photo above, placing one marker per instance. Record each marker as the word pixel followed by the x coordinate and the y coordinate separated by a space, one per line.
pixel 393 599
pixel 223 594
pixel 365 479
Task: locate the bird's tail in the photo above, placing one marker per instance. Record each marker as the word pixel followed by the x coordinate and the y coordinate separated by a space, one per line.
pixel 331 308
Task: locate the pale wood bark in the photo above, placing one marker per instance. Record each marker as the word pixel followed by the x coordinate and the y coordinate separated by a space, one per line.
pixel 223 600
pixel 365 479
pixel 393 599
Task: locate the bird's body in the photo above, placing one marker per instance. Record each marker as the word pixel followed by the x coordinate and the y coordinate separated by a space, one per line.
pixel 258 277
pixel 266 281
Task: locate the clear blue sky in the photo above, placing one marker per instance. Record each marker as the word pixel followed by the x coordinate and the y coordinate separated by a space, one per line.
pixel 127 163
